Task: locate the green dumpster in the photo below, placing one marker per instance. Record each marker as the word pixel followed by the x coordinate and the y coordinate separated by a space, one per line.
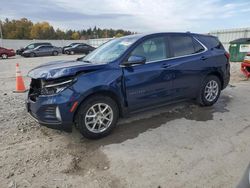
pixel 238 49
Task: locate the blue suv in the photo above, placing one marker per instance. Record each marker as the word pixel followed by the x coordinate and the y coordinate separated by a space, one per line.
pixel 126 75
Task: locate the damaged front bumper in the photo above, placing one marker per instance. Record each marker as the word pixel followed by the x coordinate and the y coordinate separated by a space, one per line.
pixel 54 111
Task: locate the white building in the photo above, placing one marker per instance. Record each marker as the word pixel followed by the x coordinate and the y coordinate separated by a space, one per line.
pixel 227 35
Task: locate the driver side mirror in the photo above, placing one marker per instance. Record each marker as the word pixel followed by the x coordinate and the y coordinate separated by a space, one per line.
pixel 135 60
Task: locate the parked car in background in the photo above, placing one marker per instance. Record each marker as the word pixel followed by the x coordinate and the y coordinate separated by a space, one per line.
pixel 127 75
pixel 31 46
pixel 79 49
pixel 44 50
pixel 71 45
pixel 6 53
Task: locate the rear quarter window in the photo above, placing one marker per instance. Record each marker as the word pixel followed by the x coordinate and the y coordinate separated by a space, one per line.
pixel 211 42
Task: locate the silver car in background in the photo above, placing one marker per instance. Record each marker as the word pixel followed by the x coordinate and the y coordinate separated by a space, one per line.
pixel 43 50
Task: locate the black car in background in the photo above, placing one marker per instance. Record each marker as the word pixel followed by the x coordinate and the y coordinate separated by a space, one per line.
pixel 81 48
pixel 70 45
pixel 32 46
pixel 44 50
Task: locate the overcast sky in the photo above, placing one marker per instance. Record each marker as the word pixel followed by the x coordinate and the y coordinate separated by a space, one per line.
pixel 134 15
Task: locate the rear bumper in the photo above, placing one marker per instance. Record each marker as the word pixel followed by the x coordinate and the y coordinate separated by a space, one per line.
pixel 226 76
pixel 226 81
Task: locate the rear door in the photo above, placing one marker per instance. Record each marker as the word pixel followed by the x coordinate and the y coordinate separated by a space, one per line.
pixel 188 64
pixel 150 83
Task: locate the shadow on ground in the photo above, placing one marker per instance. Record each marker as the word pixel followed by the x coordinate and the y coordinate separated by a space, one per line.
pixel 132 129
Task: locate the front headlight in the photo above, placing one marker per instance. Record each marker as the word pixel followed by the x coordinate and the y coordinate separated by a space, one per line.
pixel 55 86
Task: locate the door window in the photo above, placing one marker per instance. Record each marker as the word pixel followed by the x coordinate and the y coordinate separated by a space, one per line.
pixel 152 49
pixel 81 46
pixel 182 45
pixel 45 47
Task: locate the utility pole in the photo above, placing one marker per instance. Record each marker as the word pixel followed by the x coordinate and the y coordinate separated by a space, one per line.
pixel 1 34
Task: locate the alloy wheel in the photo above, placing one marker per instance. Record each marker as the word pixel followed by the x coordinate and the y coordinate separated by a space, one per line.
pixel 4 56
pixel 99 117
pixel 211 91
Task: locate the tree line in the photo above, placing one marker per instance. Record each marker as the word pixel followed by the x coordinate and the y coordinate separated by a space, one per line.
pixel 26 29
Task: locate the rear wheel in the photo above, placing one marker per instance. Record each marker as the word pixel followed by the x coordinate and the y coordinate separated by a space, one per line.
pixel 55 53
pixel 4 56
pixel 72 52
pixel 210 91
pixel 97 117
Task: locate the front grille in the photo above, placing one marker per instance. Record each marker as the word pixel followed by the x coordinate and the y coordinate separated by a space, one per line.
pixel 35 89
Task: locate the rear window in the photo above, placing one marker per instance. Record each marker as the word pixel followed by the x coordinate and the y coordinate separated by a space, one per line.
pixel 182 45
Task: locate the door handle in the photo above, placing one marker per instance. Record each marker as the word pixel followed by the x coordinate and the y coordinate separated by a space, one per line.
pixel 166 66
pixel 204 58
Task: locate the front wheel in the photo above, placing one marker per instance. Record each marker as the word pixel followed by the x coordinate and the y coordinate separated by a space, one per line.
pixel 4 56
pixel 97 117
pixel 210 91
pixel 32 55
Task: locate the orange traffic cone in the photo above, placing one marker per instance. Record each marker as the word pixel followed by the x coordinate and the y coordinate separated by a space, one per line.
pixel 20 88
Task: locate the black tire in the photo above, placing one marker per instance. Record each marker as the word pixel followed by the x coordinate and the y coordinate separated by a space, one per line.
pixel 66 52
pixel 84 108
pixel 55 53
pixel 202 99
pixel 32 54
pixel 71 52
pixel 4 56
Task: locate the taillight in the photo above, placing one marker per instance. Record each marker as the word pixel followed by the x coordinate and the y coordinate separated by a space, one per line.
pixel 227 55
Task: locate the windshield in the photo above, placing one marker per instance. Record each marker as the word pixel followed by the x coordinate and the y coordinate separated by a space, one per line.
pixel 31 46
pixel 110 51
pixel 75 45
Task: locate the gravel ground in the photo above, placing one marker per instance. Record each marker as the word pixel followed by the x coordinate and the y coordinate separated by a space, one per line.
pixel 181 145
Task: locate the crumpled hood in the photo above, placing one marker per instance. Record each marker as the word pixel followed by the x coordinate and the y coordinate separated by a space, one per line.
pixel 57 69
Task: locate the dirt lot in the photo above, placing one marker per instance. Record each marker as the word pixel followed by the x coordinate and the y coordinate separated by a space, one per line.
pixel 182 145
